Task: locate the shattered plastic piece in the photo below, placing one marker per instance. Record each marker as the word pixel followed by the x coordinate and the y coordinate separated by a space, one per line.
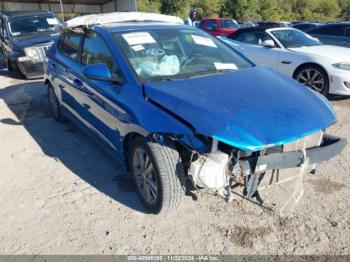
pixel 298 186
pixel 119 17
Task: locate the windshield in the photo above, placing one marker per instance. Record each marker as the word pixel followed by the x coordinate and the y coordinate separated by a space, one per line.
pixel 228 24
pixel 163 54
pixel 33 24
pixel 295 38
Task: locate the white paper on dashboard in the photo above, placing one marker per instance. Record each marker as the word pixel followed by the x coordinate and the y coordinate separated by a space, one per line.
pixel 200 40
pixel 137 48
pixel 52 21
pixel 225 66
pixel 138 38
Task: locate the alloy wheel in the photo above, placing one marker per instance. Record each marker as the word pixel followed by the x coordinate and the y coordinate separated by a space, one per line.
pixel 312 78
pixel 145 176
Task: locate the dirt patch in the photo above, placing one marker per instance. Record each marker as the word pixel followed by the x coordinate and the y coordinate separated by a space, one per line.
pixel 325 186
pixel 245 236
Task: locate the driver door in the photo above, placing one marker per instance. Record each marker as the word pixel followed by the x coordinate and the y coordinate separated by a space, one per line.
pixel 100 98
pixel 253 48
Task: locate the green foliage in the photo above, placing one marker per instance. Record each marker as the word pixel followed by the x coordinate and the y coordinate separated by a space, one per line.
pixel 345 9
pixel 148 6
pixel 240 9
pixel 173 7
pixel 254 10
pixel 268 10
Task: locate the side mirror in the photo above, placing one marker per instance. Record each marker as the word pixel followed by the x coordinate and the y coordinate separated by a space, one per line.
pixel 99 72
pixel 268 43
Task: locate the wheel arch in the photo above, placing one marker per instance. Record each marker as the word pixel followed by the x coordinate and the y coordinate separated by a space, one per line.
pixel 159 138
pixel 310 64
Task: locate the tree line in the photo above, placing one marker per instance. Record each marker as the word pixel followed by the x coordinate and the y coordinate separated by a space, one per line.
pixel 254 10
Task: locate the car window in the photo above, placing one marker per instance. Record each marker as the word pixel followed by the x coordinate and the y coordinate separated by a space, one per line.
pixel 202 24
pixel 163 54
pixel 347 31
pixel 228 24
pixel 69 45
pixel 303 27
pixel 96 51
pixel 32 24
pixel 335 30
pixel 254 38
pixel 291 38
pixel 212 25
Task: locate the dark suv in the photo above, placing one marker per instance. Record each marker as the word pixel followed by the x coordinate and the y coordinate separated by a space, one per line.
pixel 333 34
pixel 25 37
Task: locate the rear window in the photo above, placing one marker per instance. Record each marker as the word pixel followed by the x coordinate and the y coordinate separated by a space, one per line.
pixel 228 24
pixel 69 45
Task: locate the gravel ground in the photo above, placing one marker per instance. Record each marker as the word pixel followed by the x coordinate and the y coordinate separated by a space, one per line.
pixel 61 194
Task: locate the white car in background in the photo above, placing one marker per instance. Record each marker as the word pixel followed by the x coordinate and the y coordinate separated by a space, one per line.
pixel 324 68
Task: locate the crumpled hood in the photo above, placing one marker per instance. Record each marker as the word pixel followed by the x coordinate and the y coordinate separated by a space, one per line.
pixel 249 109
pixel 337 53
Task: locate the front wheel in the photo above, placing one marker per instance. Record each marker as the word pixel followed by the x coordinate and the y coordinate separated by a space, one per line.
pixel 158 174
pixel 314 77
pixel 54 105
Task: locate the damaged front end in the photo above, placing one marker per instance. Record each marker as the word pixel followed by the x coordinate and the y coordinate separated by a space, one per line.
pixel 219 167
pixel 244 129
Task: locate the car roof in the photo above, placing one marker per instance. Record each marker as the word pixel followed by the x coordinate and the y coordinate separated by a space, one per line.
pixel 26 13
pixel 218 18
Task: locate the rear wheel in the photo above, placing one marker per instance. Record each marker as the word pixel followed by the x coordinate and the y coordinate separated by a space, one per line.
pixel 314 77
pixel 158 174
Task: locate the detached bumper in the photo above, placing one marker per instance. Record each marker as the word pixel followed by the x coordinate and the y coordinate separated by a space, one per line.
pixel 329 148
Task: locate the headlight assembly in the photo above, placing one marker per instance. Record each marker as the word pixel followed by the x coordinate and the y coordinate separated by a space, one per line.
pixel 342 66
pixel 31 54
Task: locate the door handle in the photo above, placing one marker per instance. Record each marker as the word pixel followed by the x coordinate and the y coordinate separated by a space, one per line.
pixel 78 82
pixel 286 62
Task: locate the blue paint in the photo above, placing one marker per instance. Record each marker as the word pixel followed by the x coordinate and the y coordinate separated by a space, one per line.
pixel 248 109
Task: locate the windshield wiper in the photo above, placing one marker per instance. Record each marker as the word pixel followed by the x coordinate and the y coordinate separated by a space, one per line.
pixel 212 72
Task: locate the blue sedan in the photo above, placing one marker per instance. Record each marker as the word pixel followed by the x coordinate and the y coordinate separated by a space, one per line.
pixel 173 104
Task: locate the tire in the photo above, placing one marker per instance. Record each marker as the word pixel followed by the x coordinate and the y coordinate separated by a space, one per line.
pixel 315 77
pixel 9 66
pixel 2 60
pixel 164 180
pixel 54 104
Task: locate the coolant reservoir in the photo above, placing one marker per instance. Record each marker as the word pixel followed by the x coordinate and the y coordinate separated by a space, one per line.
pixel 210 171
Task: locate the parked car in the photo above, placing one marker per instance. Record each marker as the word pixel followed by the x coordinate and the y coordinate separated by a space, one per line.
pixel 246 24
pixel 306 27
pixel 274 24
pixel 324 68
pixel 173 104
pixel 333 34
pixel 219 26
pixel 25 37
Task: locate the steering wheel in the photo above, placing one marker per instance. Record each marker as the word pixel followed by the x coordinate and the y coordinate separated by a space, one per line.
pixel 155 51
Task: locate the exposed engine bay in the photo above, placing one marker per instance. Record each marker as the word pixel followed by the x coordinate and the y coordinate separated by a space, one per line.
pixel 222 168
